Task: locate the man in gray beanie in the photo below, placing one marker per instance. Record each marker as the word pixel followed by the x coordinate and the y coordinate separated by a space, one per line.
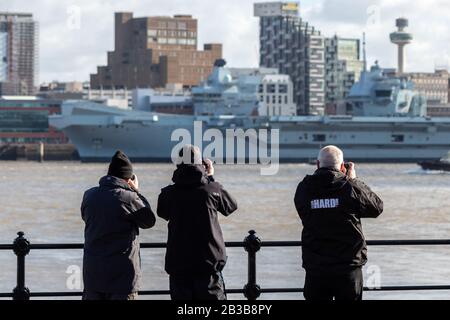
pixel 113 212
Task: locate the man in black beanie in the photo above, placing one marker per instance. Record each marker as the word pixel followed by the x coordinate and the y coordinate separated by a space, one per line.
pixel 113 212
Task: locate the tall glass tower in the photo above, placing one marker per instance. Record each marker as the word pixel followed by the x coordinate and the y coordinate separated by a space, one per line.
pixel 19 54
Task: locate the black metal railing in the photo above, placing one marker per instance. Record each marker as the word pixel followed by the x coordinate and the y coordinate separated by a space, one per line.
pixel 252 244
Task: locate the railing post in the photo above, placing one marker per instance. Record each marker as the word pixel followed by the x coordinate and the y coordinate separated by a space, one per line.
pixel 21 249
pixel 252 244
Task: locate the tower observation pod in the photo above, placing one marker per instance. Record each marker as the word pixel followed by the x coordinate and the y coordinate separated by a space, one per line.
pixel 401 38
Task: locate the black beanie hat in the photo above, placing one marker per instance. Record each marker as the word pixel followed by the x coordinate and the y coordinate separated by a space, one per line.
pixel 120 166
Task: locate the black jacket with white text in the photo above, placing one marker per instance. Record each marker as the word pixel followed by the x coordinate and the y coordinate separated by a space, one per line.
pixel 331 206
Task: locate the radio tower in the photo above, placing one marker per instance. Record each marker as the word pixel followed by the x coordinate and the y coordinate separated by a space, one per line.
pixel 401 38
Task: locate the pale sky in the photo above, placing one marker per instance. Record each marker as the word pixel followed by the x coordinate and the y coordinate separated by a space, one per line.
pixel 71 51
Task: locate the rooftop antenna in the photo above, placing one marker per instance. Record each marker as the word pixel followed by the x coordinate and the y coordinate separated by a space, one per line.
pixel 364 51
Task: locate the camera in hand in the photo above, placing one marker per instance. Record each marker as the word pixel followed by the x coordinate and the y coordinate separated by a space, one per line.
pixel 205 164
pixel 347 168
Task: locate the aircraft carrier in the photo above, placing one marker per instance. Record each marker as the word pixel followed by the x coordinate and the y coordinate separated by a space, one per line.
pixel 389 123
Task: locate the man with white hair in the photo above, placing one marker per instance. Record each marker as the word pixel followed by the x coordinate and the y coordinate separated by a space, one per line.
pixel 331 203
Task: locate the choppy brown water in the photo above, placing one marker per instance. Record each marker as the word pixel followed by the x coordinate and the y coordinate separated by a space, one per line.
pixel 43 200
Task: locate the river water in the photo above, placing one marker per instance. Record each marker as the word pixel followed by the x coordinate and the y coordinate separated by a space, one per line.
pixel 43 201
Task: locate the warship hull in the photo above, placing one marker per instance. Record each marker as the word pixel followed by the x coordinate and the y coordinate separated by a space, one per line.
pixel 97 132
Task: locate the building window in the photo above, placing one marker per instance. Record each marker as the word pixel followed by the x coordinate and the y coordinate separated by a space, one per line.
pixel 271 88
pixel 282 88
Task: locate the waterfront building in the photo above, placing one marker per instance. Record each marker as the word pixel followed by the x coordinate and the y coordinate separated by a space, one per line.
pixel 295 48
pixel 434 86
pixel 58 86
pixel 343 67
pixel 153 52
pixel 275 91
pixel 19 50
pixel 72 90
pixel 276 96
pixel 24 119
pixel 439 110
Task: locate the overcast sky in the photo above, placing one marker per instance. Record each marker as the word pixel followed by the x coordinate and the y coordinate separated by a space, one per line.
pixel 71 51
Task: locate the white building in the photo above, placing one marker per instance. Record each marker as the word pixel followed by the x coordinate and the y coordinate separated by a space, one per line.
pixel 276 96
pixel 275 92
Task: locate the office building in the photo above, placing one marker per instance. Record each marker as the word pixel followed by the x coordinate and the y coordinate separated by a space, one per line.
pixel 154 52
pixel 434 86
pixel 295 48
pixel 276 96
pixel 343 67
pixel 25 120
pixel 19 48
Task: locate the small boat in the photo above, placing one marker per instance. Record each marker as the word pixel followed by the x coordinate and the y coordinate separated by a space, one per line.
pixel 439 165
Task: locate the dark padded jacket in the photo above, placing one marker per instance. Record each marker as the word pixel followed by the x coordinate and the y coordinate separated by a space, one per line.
pixel 331 206
pixel 113 214
pixel 195 243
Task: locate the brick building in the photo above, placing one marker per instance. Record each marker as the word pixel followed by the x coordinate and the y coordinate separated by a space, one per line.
pixel 152 52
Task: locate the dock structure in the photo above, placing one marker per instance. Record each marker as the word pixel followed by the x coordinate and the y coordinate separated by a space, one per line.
pixel 38 152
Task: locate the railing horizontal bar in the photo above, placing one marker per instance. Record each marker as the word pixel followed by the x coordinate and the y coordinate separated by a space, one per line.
pixel 56 294
pixel 410 288
pixel 161 245
pixel 57 246
pixel 238 291
pixel 408 242
pixel 369 242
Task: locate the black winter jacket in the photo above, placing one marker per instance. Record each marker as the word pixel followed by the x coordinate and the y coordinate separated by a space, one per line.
pixel 195 243
pixel 113 214
pixel 331 206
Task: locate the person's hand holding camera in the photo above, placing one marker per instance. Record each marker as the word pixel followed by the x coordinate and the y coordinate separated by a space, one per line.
pixel 208 164
pixel 351 172
pixel 134 183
